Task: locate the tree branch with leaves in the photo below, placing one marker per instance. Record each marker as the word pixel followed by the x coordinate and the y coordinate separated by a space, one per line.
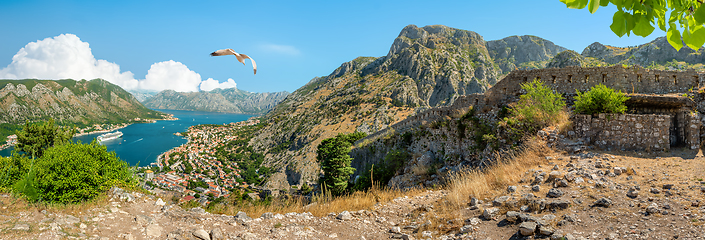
pixel 641 16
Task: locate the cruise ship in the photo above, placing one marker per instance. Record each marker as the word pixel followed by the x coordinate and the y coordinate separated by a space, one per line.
pixel 109 136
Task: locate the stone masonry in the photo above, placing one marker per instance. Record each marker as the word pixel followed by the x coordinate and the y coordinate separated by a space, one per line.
pixel 628 80
pixel 625 131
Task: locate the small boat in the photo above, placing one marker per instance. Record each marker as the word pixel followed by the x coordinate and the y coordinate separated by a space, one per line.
pixel 109 136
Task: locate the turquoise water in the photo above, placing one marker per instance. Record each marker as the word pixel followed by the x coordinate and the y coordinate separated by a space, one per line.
pixel 143 142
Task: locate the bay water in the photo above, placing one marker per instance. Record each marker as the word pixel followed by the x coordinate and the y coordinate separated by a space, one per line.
pixel 143 142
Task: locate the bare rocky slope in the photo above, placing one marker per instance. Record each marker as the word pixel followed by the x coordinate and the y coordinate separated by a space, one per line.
pixel 231 100
pixel 425 67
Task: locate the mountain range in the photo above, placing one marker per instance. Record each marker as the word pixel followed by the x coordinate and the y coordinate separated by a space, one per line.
pixel 230 100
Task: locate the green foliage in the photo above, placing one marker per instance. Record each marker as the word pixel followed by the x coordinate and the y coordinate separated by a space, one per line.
pixel 305 189
pixel 352 137
pixel 74 172
pixel 537 108
pixel 332 154
pixel 383 171
pixel 7 129
pixel 34 139
pixel 539 105
pixel 13 169
pixel 639 17
pixel 600 99
pixel 406 138
pixel 194 184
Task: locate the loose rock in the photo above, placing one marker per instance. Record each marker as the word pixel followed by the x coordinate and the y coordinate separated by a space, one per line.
pixel 490 213
pixel 345 215
pixel 527 228
pixel 554 193
pixel 603 202
pixel 201 234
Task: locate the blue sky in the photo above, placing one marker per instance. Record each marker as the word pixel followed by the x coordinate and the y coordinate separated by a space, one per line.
pixel 292 41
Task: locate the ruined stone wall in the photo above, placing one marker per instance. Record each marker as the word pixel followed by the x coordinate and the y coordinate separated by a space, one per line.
pixel 460 106
pixel 625 131
pixel 692 130
pixel 628 80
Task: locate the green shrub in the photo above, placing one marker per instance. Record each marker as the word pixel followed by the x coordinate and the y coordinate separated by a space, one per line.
pixel 75 172
pixel 13 169
pixel 35 138
pixel 600 99
pixel 539 107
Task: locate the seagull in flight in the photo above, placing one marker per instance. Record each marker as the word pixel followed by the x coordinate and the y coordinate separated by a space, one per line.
pixel 240 57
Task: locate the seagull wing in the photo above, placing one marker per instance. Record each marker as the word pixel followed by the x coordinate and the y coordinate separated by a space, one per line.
pixel 223 52
pixel 254 65
pixel 240 57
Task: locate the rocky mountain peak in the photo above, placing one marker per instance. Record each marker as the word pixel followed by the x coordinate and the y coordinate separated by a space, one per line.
pixel 595 49
pixel 511 52
pixel 565 59
pixel 433 36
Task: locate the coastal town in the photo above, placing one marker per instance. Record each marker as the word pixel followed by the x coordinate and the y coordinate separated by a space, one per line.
pixel 194 169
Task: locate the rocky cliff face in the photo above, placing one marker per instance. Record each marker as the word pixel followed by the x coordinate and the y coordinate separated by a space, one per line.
pixel 437 63
pixel 522 52
pixel 68 102
pixel 230 100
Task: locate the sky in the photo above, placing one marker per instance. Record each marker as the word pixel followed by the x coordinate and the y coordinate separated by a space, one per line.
pixel 158 45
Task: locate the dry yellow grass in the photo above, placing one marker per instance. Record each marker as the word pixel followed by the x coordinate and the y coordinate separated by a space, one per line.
pixel 483 183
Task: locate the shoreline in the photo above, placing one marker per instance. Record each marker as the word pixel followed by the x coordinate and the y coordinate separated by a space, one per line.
pixel 101 131
pixel 169 117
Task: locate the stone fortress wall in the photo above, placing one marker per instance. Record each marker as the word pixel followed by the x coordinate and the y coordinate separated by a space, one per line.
pixel 628 80
pixel 684 125
pixel 625 131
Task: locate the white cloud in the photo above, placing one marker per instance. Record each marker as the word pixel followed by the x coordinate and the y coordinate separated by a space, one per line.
pixel 66 56
pixel 283 49
pixel 171 75
pixel 61 57
pixel 210 84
